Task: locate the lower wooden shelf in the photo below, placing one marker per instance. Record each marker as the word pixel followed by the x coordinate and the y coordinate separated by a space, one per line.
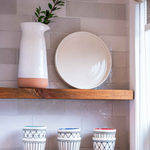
pixel 29 93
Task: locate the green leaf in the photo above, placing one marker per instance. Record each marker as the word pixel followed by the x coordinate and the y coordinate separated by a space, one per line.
pixel 43 12
pixel 47 13
pixel 55 8
pixel 51 15
pixel 58 8
pixel 36 14
pixel 48 22
pixel 43 21
pixel 54 1
pixel 50 6
pixel 55 16
pixel 42 16
pixel 58 2
pixel 37 10
pixel 39 20
pixel 61 5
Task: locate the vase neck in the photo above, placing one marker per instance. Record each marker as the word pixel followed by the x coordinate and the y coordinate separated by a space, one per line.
pixel 34 27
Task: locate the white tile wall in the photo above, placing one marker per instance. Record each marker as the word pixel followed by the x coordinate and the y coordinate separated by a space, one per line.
pixel 55 39
pixel 8 72
pixel 121 108
pixel 41 107
pixel 65 25
pixel 113 1
pixel 59 85
pixel 12 22
pixel 121 139
pixel 31 6
pixel 11 123
pixel 12 84
pixel 53 122
pixel 120 59
pixel 104 26
pixel 115 43
pixel 10 139
pixel 8 7
pixel 96 10
pixel 91 122
pixel 52 74
pixel 8 56
pixel 10 39
pixel 119 123
pixel 86 140
pixel 88 108
pixel 8 107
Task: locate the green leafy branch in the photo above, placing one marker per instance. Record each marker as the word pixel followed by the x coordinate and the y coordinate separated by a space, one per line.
pixel 44 16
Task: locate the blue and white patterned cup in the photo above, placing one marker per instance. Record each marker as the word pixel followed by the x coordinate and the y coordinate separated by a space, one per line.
pixel 104 143
pixel 68 133
pixel 34 132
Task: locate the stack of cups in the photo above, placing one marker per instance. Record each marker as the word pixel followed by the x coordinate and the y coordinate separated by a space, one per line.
pixel 69 138
pixel 104 138
pixel 34 137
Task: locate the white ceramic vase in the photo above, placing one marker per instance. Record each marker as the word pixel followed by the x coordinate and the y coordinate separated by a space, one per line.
pixel 33 58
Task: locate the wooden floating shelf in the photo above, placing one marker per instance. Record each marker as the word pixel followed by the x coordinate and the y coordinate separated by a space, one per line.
pixel 29 93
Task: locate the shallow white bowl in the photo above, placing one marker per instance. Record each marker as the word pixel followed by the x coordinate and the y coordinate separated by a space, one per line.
pixel 34 132
pixel 69 144
pixel 103 143
pixel 104 133
pixel 83 60
pixel 68 133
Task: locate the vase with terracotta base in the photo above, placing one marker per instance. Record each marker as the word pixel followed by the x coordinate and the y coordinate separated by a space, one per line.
pixel 32 70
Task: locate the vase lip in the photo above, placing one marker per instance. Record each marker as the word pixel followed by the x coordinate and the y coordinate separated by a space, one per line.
pixel 38 23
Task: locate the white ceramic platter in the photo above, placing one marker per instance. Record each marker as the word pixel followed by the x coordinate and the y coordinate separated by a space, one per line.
pixel 83 60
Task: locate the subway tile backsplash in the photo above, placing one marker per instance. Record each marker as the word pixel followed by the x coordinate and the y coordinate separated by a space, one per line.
pixel 8 7
pixel 107 19
pixel 93 10
pixel 108 27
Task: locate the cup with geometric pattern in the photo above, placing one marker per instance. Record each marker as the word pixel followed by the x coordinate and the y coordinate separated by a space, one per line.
pixel 104 143
pixel 69 138
pixel 34 137
pixel 104 138
pixel 104 133
pixel 68 133
pixel 34 132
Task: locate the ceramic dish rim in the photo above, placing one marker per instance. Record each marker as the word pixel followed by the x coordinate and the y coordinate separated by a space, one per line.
pixel 95 36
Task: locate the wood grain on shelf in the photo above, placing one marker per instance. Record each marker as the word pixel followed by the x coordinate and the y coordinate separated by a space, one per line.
pixel 29 93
